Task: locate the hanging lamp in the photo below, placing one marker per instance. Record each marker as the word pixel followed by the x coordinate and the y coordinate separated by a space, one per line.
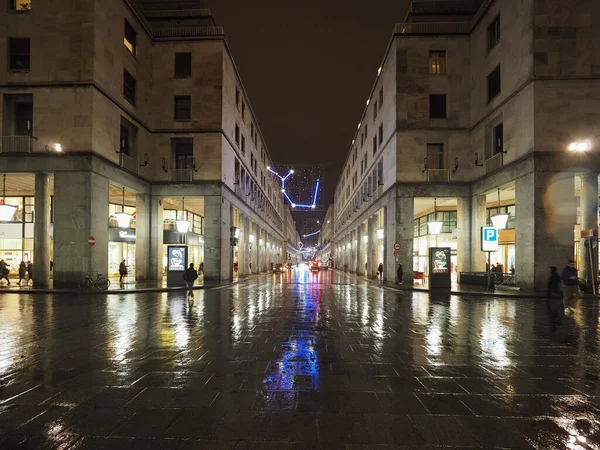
pixel 183 225
pixel 435 227
pixel 6 211
pixel 123 219
pixel 499 220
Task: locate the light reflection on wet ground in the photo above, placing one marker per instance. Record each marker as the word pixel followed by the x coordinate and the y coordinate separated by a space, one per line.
pixel 325 360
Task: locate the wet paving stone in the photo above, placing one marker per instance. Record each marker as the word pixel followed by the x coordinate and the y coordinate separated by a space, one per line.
pixel 297 363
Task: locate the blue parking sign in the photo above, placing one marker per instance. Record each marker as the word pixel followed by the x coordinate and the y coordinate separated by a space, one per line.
pixel 489 239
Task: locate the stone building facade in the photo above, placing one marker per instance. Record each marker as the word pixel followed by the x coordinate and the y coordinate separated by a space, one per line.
pixel 150 116
pixel 473 112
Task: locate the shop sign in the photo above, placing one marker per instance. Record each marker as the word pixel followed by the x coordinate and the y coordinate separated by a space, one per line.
pixel 121 235
pixel 11 231
pixel 587 233
pixel 177 258
pixel 489 239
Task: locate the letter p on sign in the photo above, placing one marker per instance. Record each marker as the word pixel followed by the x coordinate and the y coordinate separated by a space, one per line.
pixel 489 239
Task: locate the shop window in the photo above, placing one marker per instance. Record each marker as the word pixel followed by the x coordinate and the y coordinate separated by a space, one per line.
pixel 19 54
pixel 437 62
pixel 494 84
pixel 183 65
pixel 20 5
pixel 183 108
pixel 130 38
pixel 437 106
pixel 129 86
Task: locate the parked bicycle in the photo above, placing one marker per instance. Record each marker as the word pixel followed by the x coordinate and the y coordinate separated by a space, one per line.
pixel 98 282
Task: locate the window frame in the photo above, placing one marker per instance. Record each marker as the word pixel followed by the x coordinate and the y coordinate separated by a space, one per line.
pixel 441 62
pixel 12 55
pixel 445 115
pixel 488 78
pixel 134 47
pixel 13 7
pixel 187 74
pixel 177 109
pixel 495 27
pixel 380 134
pixel 125 75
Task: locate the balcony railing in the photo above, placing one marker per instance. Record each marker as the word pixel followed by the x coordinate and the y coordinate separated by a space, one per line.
pixel 494 163
pixel 182 175
pixel 128 163
pixel 17 144
pixel 438 175
pixel 183 32
pixel 444 6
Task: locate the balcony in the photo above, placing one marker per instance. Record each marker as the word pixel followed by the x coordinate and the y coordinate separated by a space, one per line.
pixel 433 28
pixel 444 6
pixel 438 175
pixel 17 144
pixel 182 175
pixel 494 163
pixel 128 163
pixel 187 32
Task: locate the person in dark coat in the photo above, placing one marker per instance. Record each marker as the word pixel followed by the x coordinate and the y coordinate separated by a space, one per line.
pixel 122 271
pixel 553 283
pixel 570 286
pixel 30 271
pixel 380 271
pixel 4 271
pixel 400 273
pixel 22 272
pixel 189 276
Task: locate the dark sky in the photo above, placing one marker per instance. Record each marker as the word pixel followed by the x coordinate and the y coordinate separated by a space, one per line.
pixel 308 67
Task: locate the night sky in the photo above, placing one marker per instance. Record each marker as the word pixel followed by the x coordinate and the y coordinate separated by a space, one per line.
pixel 308 68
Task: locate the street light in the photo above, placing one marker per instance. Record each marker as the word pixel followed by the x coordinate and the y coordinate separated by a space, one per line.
pixel 6 211
pixel 580 146
pixel 251 238
pixel 365 239
pixel 183 225
pixel 380 233
pixel 435 226
pixel 123 219
pixel 499 220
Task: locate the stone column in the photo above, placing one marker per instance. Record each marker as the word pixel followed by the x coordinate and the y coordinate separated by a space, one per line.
pixel 217 248
pixel 360 251
pixel 155 271
pixel 255 249
pixel 353 250
pixel 372 247
pixel 390 263
pixel 589 221
pixel 465 239
pixel 142 237
pixel 405 214
pixel 41 232
pixel 545 218
pixel 80 211
pixel 478 220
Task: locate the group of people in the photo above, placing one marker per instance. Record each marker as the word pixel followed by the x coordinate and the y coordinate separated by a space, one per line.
pixel 25 272
pixel 570 285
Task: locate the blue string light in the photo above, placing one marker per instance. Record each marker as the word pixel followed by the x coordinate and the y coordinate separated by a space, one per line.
pixel 313 205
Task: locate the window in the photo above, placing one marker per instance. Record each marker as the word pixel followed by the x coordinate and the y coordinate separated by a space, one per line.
pixel 374 144
pixel 435 156
pixel 184 153
pixel 366 131
pixel 380 98
pixel 437 62
pixel 128 137
pixel 498 139
pixel 380 134
pixel 494 84
pixel 243 145
pixel 183 65
pixel 20 5
pixel 129 86
pixel 493 34
pixel 362 139
pixel 183 107
pixel 237 98
pixel 375 111
pixel 237 135
pixel 130 39
pixel 243 110
pixel 437 106
pixel 20 57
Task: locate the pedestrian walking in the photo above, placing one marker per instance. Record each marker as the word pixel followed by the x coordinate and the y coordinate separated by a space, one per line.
pixel 122 271
pixel 22 272
pixel 4 270
pixel 570 286
pixel 201 268
pixel 189 276
pixel 380 271
pixel 30 271
pixel 400 273
pixel 553 283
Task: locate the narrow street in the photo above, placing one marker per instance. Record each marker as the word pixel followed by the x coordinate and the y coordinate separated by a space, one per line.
pixel 297 360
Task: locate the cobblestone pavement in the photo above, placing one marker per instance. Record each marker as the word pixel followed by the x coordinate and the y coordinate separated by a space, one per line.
pixel 297 362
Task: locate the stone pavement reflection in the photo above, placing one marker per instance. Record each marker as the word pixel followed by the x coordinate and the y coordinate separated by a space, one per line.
pixel 297 361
